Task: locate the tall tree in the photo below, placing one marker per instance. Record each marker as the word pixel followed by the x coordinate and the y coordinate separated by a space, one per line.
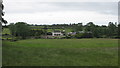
pixel 112 29
pixel 45 29
pixel 118 29
pixel 78 27
pixel 91 27
pixel 22 29
pixel 12 29
pixel 103 30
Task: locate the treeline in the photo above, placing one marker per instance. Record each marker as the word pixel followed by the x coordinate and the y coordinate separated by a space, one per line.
pixel 90 30
pixel 22 30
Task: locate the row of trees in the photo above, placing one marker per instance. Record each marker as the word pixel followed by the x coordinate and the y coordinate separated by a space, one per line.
pixel 110 31
pixel 90 30
pixel 23 30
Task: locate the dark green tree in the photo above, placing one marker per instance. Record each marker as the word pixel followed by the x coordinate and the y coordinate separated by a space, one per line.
pixel 91 28
pixel 103 30
pixel 45 29
pixel 112 29
pixel 22 29
pixel 12 29
pixel 78 27
pixel 119 30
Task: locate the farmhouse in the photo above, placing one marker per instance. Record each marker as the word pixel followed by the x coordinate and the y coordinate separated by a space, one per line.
pixel 57 33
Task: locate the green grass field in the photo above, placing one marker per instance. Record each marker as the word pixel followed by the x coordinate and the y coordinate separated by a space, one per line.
pixel 61 52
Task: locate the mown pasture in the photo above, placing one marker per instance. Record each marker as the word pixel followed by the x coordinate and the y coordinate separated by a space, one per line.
pixel 61 52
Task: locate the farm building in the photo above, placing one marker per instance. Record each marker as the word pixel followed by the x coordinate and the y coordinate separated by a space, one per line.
pixel 57 33
pixel 72 33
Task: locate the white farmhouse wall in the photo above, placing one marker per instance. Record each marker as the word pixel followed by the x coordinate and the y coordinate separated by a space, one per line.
pixel 57 34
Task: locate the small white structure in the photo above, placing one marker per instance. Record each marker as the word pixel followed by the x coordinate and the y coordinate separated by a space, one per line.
pixel 57 33
pixel 72 33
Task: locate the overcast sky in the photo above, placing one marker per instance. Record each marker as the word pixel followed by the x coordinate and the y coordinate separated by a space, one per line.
pixel 46 12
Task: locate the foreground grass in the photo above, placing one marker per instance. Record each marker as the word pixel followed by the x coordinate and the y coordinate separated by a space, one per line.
pixel 61 52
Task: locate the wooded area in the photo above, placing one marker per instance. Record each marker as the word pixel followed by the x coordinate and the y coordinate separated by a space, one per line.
pixel 22 30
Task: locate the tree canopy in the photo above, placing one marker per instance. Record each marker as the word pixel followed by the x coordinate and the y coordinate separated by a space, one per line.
pixel 20 29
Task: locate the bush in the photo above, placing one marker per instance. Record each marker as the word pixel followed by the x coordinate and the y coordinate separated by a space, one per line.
pixel 79 35
pixel 84 35
pixel 87 35
pixel 68 37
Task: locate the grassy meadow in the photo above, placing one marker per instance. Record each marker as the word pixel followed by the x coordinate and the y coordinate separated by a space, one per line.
pixel 61 52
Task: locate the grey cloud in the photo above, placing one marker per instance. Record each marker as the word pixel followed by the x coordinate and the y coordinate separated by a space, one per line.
pixel 33 7
pixel 101 7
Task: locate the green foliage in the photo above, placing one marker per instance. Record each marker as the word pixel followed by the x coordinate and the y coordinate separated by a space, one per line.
pixel 12 28
pixel 36 32
pixel 20 29
pixel 68 36
pixel 118 30
pixel 89 26
pixel 112 29
pixel 6 31
pixel 45 29
pixel 90 30
pixel 79 35
pixel 79 27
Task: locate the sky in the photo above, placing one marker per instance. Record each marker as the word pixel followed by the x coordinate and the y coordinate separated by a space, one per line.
pixel 100 12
